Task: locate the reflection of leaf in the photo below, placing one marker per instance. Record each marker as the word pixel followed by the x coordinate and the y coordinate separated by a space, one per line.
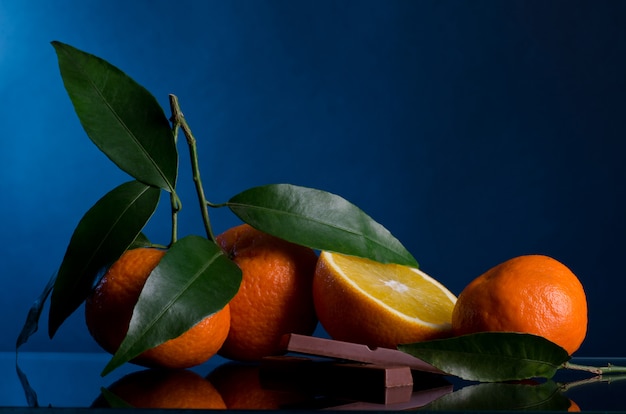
pixel 29 392
pixel 193 280
pixel 32 319
pixel 30 327
pixel 113 400
pixel 140 241
pixel 492 356
pixel 319 220
pixel 120 116
pixel 102 235
pixel 501 396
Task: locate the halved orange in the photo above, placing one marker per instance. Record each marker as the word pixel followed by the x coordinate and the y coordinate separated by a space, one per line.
pixel 363 301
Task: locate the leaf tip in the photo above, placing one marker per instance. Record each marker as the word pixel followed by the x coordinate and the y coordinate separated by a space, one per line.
pixel 110 366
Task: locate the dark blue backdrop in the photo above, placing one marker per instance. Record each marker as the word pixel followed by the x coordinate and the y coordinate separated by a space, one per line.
pixel 475 131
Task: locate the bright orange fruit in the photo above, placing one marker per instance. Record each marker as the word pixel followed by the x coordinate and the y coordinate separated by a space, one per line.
pixel 533 294
pixel 275 293
pixel 363 301
pixel 109 308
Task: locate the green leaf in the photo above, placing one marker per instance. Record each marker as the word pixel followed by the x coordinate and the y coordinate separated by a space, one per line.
pixel 502 397
pixel 102 235
pixel 140 241
pixel 120 116
pixel 319 220
pixel 194 279
pixel 492 356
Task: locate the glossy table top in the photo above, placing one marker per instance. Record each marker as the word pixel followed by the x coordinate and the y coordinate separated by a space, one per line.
pixel 72 380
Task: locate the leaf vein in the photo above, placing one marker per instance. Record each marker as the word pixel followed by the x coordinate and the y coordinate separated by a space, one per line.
pixel 120 120
pixel 312 220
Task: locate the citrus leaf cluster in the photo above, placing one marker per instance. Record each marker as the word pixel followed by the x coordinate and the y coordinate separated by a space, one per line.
pixel 195 278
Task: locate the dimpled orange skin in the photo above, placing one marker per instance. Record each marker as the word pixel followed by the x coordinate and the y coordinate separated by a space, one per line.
pixel 109 308
pixel 275 294
pixel 164 389
pixel 533 294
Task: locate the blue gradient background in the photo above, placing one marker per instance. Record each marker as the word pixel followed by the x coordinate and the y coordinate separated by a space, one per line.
pixel 474 131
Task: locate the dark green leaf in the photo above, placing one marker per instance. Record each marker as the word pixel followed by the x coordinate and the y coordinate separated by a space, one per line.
pixel 100 238
pixel 502 397
pixel 492 356
pixel 140 241
pixel 120 116
pixel 193 280
pixel 319 220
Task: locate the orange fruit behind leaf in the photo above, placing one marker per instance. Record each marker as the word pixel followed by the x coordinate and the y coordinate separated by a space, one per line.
pixel 109 308
pixel 275 294
pixel 533 294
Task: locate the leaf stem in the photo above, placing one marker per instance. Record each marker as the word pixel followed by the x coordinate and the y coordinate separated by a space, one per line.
pixel 219 205
pixel 179 119
pixel 176 204
pixel 609 369
pixel 176 207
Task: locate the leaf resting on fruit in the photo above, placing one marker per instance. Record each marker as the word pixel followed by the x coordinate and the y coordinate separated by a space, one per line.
pixel 102 235
pixel 193 280
pixel 319 220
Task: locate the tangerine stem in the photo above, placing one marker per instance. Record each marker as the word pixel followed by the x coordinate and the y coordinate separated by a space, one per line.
pixel 175 202
pixel 179 119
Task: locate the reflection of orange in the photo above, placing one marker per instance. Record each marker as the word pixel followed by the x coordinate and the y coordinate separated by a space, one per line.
pixel 573 407
pixel 275 294
pixel 533 294
pixel 109 309
pixel 165 389
pixel 240 386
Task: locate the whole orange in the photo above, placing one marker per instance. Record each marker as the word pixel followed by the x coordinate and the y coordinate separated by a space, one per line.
pixel 109 308
pixel 533 294
pixel 275 294
pixel 164 389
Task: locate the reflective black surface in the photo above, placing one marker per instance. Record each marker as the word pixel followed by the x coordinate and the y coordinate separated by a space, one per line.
pixel 72 380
